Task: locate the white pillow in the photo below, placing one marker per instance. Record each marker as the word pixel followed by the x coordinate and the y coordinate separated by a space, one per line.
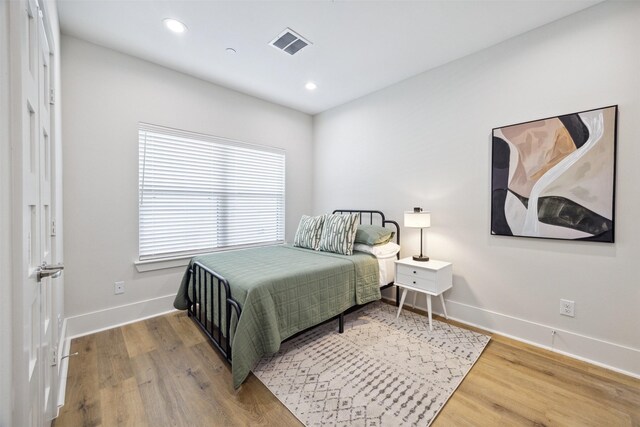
pixel 387 250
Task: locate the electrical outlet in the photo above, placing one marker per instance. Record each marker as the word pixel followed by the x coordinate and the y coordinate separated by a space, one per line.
pixel 118 288
pixel 567 308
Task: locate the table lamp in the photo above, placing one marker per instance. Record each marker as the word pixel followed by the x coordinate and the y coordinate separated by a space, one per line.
pixel 418 219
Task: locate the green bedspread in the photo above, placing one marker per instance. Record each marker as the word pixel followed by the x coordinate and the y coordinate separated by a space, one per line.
pixel 283 290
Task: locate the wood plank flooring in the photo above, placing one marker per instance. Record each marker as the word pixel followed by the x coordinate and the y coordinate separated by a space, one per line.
pixel 163 372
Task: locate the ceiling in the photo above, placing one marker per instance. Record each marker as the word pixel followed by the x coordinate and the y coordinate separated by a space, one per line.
pixel 358 46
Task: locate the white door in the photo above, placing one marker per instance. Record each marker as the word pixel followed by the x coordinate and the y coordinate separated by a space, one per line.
pixel 45 169
pixel 31 136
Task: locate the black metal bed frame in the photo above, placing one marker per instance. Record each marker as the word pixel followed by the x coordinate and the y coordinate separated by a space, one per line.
pixel 207 285
pixel 211 281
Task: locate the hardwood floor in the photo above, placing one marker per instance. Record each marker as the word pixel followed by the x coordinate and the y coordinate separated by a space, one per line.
pixel 163 372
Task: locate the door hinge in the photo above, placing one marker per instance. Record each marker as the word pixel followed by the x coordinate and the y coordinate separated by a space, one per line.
pixel 54 355
pixel 53 228
pixel 52 96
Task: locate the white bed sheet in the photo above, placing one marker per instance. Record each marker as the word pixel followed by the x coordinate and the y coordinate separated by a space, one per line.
pixel 387 270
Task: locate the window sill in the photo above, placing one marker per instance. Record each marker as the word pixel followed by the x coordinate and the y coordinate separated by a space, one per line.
pixel 161 264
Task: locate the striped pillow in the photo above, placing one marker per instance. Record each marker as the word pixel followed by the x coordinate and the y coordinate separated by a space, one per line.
pixel 338 233
pixel 309 231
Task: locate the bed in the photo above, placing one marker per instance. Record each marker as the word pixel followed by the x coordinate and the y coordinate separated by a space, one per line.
pixel 248 301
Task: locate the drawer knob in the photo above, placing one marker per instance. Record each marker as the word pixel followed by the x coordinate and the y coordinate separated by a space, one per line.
pixel 414 282
pixel 414 272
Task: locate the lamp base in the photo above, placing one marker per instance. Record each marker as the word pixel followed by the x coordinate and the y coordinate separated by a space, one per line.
pixel 420 258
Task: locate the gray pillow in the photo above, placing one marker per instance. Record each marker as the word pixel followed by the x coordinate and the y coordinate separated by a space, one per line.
pixel 373 235
pixel 338 233
pixel 309 232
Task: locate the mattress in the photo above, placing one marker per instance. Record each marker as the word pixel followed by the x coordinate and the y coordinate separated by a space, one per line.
pixel 386 266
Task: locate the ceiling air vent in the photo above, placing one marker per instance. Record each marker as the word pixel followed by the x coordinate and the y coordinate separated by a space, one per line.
pixel 289 41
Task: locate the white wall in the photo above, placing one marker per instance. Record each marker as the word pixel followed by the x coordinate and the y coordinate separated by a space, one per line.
pixel 106 94
pixel 426 142
pixel 5 224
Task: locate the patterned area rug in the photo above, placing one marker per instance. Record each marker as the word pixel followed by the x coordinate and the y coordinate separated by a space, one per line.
pixel 382 371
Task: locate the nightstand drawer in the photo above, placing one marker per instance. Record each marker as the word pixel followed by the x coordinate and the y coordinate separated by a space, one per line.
pixel 416 282
pixel 421 273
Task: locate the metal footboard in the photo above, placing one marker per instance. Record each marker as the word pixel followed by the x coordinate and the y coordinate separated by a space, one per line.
pixel 209 291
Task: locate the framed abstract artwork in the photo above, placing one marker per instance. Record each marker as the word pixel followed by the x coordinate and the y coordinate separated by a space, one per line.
pixel 554 178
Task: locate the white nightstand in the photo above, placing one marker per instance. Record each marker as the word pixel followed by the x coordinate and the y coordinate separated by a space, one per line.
pixel 431 278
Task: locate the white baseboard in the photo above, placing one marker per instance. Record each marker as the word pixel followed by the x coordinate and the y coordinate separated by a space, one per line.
pixel 616 357
pixel 64 346
pixel 96 321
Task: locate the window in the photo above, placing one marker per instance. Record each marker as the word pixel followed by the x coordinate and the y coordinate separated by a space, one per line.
pixel 201 193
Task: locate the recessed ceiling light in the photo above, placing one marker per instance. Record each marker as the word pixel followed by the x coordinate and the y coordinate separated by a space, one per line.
pixel 230 50
pixel 174 25
pixel 311 86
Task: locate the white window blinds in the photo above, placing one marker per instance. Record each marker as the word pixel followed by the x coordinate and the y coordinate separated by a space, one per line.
pixel 201 193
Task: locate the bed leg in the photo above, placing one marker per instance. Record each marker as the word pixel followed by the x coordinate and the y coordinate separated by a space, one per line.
pixel 341 323
pixel 397 296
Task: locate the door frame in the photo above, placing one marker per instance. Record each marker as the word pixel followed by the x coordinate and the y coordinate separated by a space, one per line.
pixel 6 312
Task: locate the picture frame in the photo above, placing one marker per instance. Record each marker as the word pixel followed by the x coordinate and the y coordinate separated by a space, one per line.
pixel 554 178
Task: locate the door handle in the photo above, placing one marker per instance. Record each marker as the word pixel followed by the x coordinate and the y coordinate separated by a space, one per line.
pixel 52 271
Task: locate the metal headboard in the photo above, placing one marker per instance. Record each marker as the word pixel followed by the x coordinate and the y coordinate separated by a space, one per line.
pixel 384 222
pixel 371 215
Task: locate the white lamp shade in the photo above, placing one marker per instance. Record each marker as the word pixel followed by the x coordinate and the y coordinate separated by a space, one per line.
pixel 417 219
